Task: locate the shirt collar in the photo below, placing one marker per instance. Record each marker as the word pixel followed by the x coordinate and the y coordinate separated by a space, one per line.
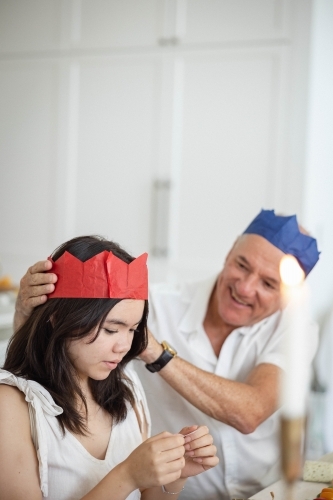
pixel 250 330
pixel 197 295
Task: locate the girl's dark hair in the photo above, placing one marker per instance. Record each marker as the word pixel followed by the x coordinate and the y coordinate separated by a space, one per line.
pixel 38 350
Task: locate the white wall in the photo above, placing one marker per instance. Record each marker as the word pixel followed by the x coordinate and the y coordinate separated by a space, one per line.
pixel 226 101
pixel 318 199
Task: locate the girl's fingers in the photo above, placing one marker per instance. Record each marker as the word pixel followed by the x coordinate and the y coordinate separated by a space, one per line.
pixel 173 455
pixel 206 451
pixel 175 465
pixel 205 440
pixel 161 435
pixel 207 462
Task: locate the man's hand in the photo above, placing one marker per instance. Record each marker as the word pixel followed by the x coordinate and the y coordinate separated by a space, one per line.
pixel 153 350
pixel 34 287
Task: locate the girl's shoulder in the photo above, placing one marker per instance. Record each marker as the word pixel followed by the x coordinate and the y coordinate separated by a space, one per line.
pixel 11 399
pixel 14 415
pixel 18 458
pixel 32 392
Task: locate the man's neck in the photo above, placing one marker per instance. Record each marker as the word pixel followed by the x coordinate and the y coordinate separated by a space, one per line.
pixel 216 329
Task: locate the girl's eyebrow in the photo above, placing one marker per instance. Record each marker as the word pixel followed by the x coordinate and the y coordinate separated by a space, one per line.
pixel 119 322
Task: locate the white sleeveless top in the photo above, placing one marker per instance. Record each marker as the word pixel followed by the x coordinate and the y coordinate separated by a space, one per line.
pixel 67 470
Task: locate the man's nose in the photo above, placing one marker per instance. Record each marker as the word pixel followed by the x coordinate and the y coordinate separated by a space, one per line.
pixel 247 286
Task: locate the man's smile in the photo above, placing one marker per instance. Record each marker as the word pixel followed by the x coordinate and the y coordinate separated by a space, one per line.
pixel 237 299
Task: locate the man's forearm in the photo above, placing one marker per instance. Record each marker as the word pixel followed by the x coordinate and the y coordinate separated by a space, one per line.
pixel 241 405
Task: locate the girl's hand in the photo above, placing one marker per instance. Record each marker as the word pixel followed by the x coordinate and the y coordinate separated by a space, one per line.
pixel 158 460
pixel 200 454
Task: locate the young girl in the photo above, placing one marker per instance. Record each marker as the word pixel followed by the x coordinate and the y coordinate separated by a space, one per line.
pixel 74 419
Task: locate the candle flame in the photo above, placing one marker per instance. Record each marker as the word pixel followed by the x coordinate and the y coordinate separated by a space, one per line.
pixel 290 271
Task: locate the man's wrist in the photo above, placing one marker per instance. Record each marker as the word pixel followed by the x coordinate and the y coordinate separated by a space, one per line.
pixel 152 353
pixel 168 353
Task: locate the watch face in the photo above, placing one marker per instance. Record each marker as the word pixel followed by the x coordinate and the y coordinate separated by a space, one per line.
pixel 168 348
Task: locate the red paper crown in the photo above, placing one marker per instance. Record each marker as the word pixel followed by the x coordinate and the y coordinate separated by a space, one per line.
pixel 102 276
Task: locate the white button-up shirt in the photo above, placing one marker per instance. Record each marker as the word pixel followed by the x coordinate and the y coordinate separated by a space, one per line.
pixel 248 463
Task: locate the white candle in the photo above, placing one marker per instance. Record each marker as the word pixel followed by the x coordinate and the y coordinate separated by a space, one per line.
pixel 295 380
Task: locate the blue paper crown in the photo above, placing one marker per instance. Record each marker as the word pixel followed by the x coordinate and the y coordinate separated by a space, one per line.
pixel 283 232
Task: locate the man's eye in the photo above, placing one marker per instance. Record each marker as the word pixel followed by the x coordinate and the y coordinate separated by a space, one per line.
pixel 268 285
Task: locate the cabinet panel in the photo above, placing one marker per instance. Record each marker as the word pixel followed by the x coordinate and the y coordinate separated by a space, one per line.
pixel 28 99
pixel 119 100
pixel 32 25
pixel 228 152
pixel 110 23
pixel 236 20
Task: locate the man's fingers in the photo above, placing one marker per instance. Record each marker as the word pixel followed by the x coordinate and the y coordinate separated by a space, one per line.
pixel 36 301
pixel 41 279
pixel 35 291
pixel 40 267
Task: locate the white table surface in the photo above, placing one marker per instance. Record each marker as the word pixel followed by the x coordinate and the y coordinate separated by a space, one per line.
pixel 303 490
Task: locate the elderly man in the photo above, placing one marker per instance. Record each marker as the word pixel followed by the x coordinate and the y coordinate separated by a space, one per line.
pixel 215 355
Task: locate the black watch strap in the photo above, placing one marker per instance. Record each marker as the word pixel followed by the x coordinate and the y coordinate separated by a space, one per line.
pixel 165 357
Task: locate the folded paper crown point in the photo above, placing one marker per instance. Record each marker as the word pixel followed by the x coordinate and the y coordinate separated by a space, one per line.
pixel 102 276
pixel 284 233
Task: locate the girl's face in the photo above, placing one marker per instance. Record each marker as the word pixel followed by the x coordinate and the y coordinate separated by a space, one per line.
pixel 98 359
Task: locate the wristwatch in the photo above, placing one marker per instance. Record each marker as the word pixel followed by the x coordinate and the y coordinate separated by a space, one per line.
pixel 166 356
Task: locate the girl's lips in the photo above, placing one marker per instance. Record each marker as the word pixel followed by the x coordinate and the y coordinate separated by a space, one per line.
pixel 111 364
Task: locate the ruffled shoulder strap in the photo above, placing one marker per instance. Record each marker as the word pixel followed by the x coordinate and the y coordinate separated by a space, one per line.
pixel 40 403
pixel 139 394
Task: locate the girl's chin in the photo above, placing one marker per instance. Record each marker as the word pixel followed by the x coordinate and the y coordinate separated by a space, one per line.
pixel 100 376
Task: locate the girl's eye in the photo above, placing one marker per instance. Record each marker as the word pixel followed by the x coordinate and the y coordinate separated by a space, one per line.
pixel 110 331
pixel 134 330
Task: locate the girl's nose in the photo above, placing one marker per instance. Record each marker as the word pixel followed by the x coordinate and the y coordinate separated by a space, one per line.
pixel 124 343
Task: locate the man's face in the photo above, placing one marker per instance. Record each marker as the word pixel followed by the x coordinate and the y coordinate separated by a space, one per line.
pixel 248 288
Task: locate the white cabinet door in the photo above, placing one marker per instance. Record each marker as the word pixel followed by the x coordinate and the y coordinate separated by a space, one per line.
pixel 29 25
pixel 114 23
pixel 231 118
pixel 220 21
pixel 28 131
pixel 118 111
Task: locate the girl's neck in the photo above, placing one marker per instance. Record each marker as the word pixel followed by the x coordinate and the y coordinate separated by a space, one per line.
pixel 86 391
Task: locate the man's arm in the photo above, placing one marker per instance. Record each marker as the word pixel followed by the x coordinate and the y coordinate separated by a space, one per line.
pixel 34 286
pixel 242 405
